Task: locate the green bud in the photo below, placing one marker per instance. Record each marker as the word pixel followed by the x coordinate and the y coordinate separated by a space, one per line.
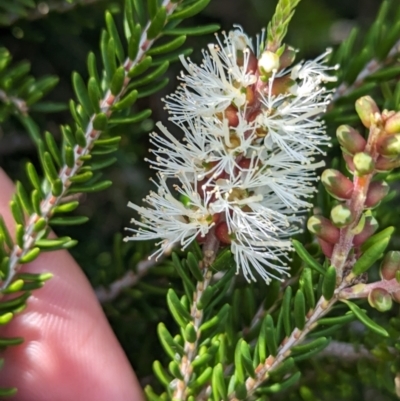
pixel 338 185
pixel 390 265
pixel 380 299
pixel 323 228
pixel 363 163
pixel 392 125
pixel 350 139
pixel 389 145
pixel 366 109
pixel 341 216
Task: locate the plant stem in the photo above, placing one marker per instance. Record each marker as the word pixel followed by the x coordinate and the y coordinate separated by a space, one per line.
pixel 66 173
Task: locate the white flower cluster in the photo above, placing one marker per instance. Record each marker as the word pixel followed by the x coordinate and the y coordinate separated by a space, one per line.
pixel 245 167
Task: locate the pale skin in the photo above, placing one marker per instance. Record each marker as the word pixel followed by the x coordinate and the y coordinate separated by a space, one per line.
pixel 70 351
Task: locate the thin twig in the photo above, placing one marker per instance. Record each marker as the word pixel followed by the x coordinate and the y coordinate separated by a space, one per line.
pixel 371 67
pixel 18 103
pixel 128 280
pixel 44 8
pixel 65 174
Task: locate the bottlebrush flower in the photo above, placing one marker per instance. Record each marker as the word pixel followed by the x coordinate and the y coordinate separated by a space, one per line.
pixel 245 167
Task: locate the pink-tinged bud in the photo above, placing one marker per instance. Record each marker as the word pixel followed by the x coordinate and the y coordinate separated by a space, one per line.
pixel 324 229
pixel 376 192
pixel 338 185
pixel 231 115
pixel 326 248
pixel 222 233
pixel 392 125
pixel 385 164
pixel 370 226
pixel 363 163
pixel 287 58
pixel 350 139
pixel 268 62
pixel 366 109
pixel 389 145
pixel 380 299
pixel 349 162
pixel 341 216
pixel 390 265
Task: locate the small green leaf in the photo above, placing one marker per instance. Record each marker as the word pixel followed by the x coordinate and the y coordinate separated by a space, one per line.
pixel 100 122
pixel 48 165
pixel 7 342
pixel 152 88
pixel 202 379
pixel 270 336
pixel 167 47
pixel 53 148
pixel 36 199
pixel 81 93
pixel 370 256
pixel 69 156
pixel 40 224
pixel 387 232
pixel 174 368
pixel 193 31
pixel 24 198
pixel 133 43
pixel 218 382
pixel 363 317
pixel 283 385
pixel 206 297
pixel 287 324
pixel 112 31
pixel 246 359
pixel 114 141
pixel 161 374
pixel 55 244
pixel 94 93
pixel 136 118
pixel 126 102
pixel 348 317
pixel 306 284
pixel 151 76
pixel 80 137
pixel 5 233
pixel 190 333
pixel 178 311
pixel 117 81
pixel 189 11
pixel 33 176
pixel 193 265
pixel 99 186
pixel 169 344
pixel 6 318
pixel 140 68
pixel 306 257
pixel 30 255
pixel 101 164
pixel 68 220
pixel 299 310
pixel 329 283
pixel 157 23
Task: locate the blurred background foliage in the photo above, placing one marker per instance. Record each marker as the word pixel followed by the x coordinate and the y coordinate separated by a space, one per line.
pixel 56 36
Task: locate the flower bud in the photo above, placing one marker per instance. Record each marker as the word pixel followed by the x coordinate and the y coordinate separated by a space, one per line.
pixel 349 162
pixel 222 233
pixel 370 226
pixel 231 114
pixel 282 85
pixel 268 62
pixel 341 216
pixel 338 185
pixel 366 109
pixel 389 145
pixel 350 139
pixel 287 57
pixel 363 163
pixel 380 299
pixel 390 265
pixel 326 248
pixel 385 164
pixel 324 229
pixel 392 125
pixel 376 192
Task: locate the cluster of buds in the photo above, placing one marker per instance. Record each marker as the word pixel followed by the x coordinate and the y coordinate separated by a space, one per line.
pixel 365 157
pixel 245 167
